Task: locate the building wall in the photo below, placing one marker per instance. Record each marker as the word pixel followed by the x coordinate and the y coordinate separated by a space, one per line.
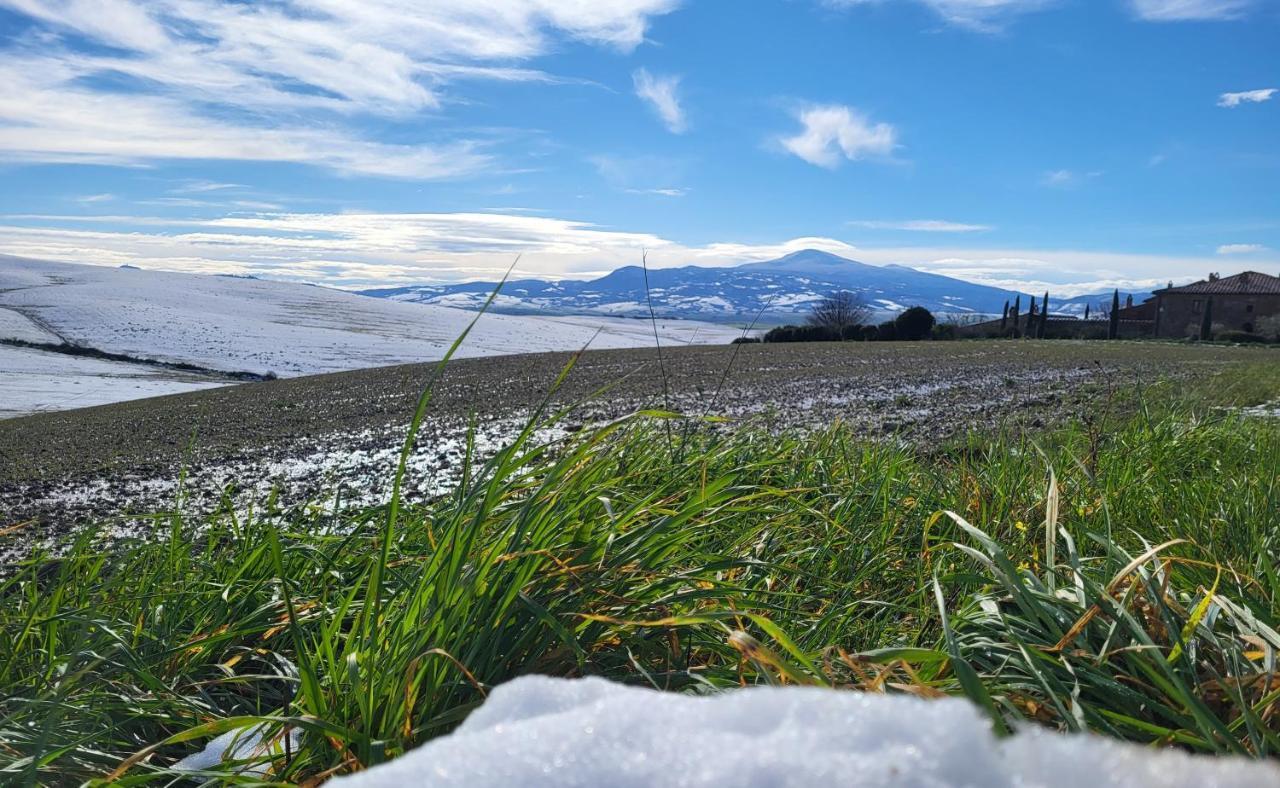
pixel 1182 313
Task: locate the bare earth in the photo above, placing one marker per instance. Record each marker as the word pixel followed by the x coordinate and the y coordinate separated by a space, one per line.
pixel 310 436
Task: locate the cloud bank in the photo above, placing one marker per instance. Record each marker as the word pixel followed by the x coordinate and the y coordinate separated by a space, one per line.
pixel 377 249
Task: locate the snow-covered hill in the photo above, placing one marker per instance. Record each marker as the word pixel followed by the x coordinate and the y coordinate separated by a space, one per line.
pixel 784 288
pixel 236 324
pixel 229 324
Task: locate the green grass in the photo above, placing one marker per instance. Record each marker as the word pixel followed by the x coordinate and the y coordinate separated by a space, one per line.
pixel 1116 574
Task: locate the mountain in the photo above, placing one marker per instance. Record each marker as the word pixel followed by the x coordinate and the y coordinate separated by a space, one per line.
pixel 1098 303
pixel 784 289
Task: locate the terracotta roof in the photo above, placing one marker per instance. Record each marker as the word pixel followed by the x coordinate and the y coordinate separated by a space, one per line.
pixel 1247 283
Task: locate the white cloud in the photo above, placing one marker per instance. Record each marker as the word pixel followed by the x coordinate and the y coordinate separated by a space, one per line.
pixel 983 15
pixel 648 174
pixel 93 198
pixel 660 192
pixel 1241 248
pixel 922 226
pixel 368 249
pixel 1188 10
pixel 660 92
pixel 281 81
pixel 1066 179
pixel 833 132
pixel 1249 96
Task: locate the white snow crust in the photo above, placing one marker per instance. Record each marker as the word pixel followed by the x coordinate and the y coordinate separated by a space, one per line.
pixel 539 731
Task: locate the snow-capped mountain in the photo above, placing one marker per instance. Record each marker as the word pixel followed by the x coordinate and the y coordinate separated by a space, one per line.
pixel 1098 303
pixel 784 288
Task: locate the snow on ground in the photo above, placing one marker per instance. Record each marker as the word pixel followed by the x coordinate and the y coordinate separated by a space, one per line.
pixel 15 325
pixel 236 324
pixel 541 731
pixel 248 325
pixel 32 381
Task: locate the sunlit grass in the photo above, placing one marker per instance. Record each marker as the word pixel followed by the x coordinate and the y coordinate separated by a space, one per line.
pixel 1116 574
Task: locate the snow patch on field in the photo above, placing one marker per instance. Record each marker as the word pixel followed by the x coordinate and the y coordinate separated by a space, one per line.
pixel 540 731
pixel 32 381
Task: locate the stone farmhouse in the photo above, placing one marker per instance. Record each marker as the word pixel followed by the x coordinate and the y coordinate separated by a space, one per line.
pixel 1248 301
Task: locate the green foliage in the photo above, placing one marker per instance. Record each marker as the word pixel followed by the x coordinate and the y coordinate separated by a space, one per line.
pixel 1243 337
pixel 1115 574
pixel 914 324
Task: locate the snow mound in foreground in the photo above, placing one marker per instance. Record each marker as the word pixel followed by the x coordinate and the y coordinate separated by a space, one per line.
pixel 539 731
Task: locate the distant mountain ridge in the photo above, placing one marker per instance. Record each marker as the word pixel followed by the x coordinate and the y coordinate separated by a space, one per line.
pixel 781 290
pixel 1098 303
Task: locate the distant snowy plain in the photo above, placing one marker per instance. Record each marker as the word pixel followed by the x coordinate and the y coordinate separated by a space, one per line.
pixel 235 325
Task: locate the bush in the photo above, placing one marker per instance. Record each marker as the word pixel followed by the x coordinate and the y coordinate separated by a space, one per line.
pixel 914 324
pixel 745 340
pixel 802 334
pixel 887 331
pixel 1240 336
pixel 944 331
pixel 870 333
pixel 852 333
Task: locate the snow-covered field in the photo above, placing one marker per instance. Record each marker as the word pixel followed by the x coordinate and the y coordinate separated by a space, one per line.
pixel 33 381
pixel 540 731
pixel 248 325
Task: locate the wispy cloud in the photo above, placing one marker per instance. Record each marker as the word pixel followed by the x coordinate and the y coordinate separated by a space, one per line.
pixel 660 192
pixel 1246 96
pixel 195 186
pixel 1241 249
pixel 921 226
pixel 641 174
pixel 833 133
pixel 110 81
pixel 1190 10
pixel 89 199
pixel 982 15
pixel 1067 179
pixel 661 93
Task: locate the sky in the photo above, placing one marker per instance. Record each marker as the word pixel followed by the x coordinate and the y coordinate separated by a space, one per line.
pixel 1071 145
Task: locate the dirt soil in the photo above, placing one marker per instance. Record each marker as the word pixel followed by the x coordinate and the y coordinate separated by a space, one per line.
pixel 301 435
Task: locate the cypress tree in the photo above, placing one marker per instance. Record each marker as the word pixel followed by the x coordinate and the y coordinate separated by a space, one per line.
pixel 1086 311
pixel 1013 314
pixel 1004 316
pixel 1206 323
pixel 1044 316
pixel 1031 319
pixel 1113 330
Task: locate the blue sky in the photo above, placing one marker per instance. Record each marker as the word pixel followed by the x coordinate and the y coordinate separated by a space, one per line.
pixel 1074 144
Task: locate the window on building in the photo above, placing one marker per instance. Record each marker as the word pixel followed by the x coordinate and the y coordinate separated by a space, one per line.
pixel 1197 305
pixel 1248 307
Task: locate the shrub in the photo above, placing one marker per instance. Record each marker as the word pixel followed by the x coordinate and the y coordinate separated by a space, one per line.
pixel 852 333
pixel 914 324
pixel 745 340
pixel 802 334
pixel 887 331
pixel 1240 336
pixel 870 333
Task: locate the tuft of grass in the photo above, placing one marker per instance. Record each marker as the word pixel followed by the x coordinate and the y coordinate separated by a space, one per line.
pixel 1118 578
